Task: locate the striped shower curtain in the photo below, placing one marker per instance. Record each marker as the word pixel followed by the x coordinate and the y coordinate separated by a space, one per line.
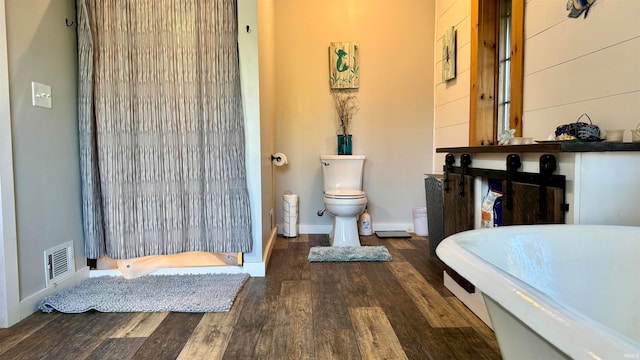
pixel 161 128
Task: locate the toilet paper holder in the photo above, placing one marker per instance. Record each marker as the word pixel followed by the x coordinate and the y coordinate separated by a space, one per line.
pixel 279 159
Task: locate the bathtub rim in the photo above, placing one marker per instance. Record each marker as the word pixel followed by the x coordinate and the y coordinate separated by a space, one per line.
pixel 512 295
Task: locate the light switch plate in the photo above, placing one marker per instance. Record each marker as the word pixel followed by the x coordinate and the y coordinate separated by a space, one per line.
pixel 41 95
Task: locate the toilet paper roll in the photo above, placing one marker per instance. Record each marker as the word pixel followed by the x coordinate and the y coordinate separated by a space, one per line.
pixel 290 214
pixel 290 199
pixel 279 159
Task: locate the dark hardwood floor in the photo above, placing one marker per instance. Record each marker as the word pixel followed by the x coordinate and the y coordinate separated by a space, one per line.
pixel 300 310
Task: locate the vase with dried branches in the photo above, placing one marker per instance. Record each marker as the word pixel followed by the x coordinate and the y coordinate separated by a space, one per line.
pixel 346 105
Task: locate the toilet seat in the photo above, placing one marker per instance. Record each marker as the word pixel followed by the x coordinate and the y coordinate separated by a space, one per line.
pixel 344 194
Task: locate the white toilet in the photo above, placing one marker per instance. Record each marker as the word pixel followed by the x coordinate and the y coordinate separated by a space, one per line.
pixel 343 196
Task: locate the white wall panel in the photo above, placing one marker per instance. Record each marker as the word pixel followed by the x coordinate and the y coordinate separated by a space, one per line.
pixel 452 97
pixel 455 135
pixel 613 112
pixel 542 15
pixel 453 89
pixel 453 113
pixel 607 72
pixel 608 24
pixel 450 136
pixel 453 15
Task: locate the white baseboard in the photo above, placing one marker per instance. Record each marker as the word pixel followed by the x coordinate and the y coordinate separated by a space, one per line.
pixel 29 305
pixel 325 229
pixel 312 229
pixel 255 269
pixel 266 250
pixel 308 229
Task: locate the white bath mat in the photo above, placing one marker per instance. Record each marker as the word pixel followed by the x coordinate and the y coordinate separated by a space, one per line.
pixel 151 293
pixel 349 253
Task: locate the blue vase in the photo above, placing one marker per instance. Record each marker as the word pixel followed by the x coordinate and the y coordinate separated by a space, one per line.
pixel 344 144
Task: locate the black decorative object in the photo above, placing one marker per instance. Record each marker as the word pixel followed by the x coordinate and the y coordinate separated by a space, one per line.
pixel 577 7
pixel 580 130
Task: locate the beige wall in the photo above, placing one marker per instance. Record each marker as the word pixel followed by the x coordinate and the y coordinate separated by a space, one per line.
pixel 41 48
pixel 395 123
pixel 571 66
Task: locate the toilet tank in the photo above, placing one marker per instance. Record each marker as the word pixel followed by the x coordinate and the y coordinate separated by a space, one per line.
pixel 342 171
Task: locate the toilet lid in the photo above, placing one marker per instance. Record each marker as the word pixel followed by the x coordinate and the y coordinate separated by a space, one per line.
pixel 344 194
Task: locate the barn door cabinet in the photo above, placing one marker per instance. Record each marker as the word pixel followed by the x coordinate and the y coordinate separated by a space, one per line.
pixel 572 183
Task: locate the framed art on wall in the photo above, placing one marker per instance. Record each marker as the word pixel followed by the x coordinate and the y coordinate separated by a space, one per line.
pixel 449 54
pixel 344 71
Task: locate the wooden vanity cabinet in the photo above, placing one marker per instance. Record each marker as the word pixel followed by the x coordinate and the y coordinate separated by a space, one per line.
pixel 526 206
pixel 458 203
pixel 462 208
pixel 600 187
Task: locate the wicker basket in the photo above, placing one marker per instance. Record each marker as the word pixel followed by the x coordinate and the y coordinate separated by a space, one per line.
pixel 580 130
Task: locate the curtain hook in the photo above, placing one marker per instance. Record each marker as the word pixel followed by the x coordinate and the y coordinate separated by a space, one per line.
pixel 68 23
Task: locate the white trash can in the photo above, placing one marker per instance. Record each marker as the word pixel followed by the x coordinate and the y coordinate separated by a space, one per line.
pixel 290 207
pixel 420 221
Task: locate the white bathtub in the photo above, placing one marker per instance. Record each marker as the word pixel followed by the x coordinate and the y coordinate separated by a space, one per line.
pixel 555 291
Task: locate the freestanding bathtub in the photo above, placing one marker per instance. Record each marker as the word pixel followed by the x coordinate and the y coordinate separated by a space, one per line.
pixel 555 291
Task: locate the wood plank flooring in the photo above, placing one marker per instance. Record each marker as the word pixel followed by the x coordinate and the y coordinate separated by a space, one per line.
pixel 300 310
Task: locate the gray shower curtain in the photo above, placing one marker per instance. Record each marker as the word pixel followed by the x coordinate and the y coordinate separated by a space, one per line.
pixel 161 128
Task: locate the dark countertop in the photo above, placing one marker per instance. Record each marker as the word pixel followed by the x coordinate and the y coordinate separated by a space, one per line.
pixel 547 147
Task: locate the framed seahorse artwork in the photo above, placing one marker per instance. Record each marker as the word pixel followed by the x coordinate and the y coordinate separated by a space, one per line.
pixel 344 68
pixel 449 54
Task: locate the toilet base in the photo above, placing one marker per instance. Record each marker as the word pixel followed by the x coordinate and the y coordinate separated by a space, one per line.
pixel 344 231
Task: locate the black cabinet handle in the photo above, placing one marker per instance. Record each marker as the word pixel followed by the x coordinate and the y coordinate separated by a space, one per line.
pixel 548 165
pixel 449 160
pixel 465 161
pixel 513 164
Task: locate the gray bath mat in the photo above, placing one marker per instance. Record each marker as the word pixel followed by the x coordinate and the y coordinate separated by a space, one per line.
pixel 348 253
pixel 151 293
